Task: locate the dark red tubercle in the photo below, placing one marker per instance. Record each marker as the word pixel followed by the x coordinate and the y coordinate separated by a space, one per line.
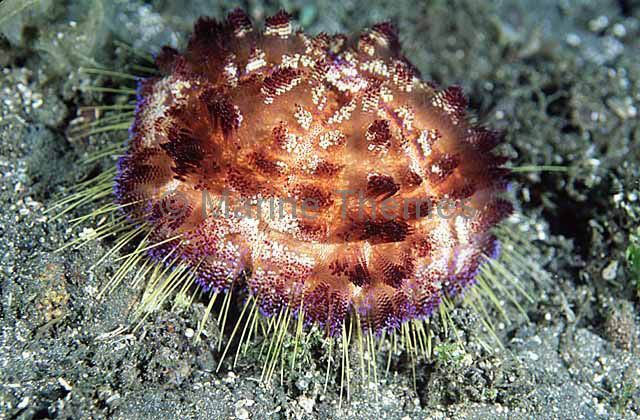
pixel 239 22
pixel 278 21
pixel 456 100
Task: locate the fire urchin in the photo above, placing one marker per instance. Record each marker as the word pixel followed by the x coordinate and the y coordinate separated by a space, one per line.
pixel 318 176
pixel 256 120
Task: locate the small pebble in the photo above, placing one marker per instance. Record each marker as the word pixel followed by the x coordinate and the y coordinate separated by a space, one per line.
pixel 609 272
pixel 242 413
pixel 189 333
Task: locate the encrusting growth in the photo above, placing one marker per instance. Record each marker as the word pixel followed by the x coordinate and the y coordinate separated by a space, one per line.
pixel 317 173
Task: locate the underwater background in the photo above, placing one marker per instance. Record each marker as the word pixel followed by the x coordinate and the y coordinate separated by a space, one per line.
pixel 560 78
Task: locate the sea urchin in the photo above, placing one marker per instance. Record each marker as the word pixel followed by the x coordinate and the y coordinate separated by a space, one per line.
pixel 318 173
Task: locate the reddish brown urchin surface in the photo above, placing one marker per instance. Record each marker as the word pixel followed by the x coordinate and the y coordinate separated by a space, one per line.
pixel 320 167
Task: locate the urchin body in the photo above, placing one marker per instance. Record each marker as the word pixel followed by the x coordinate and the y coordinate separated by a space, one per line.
pixel 342 136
